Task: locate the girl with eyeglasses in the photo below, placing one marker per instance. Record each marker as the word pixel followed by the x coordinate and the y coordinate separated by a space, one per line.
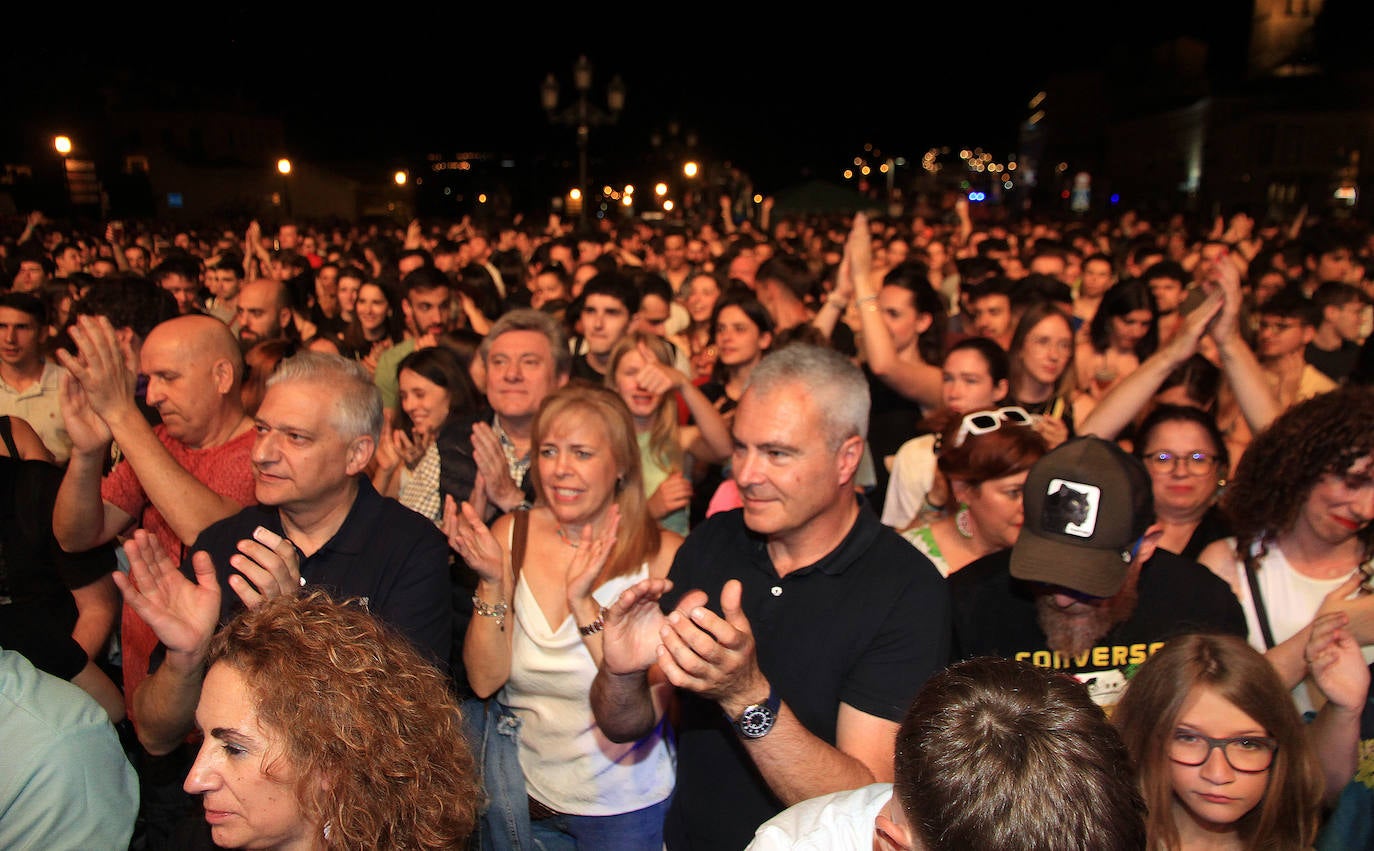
pixel 1222 756
pixel 984 457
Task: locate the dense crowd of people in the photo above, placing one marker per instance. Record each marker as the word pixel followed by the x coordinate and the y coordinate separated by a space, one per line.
pixel 931 531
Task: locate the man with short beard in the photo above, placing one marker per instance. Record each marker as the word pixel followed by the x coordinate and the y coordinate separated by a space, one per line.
pixel 1084 590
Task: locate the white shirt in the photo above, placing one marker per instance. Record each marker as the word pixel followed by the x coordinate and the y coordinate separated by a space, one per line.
pixel 840 821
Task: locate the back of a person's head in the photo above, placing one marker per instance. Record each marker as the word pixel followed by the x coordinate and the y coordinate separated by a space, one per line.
pixel 793 272
pixel 1336 294
pixel 974 270
pixel 128 301
pixel 1039 287
pixel 996 754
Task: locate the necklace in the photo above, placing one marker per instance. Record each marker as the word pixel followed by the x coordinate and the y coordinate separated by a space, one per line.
pixel 568 539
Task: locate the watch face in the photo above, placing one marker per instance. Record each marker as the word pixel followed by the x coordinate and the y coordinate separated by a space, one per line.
pixel 756 721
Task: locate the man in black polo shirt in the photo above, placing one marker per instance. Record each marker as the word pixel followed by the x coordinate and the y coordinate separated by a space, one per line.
pixel 799 628
pixel 1084 589
pixel 319 522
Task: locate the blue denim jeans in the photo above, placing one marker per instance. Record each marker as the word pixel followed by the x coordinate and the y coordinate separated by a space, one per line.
pixel 640 830
pixel 492 730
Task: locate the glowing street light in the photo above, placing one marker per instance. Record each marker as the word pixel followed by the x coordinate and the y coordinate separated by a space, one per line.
pixel 284 169
pixel 401 178
pixel 690 169
pixel 62 144
pixel 582 114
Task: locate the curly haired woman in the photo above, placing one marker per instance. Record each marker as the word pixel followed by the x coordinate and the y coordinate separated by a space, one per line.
pixel 324 729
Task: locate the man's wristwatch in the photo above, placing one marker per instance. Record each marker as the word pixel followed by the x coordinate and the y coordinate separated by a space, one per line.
pixel 758 718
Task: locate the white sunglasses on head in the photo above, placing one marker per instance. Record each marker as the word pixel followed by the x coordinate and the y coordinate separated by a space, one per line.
pixel 982 422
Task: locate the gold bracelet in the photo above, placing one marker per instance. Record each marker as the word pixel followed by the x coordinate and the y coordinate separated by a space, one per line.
pixel 869 303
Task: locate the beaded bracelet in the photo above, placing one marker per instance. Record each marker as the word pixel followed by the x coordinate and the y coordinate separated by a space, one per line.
pixel 595 626
pixel 488 610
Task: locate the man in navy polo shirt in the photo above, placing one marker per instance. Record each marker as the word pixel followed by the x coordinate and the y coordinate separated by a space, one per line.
pixel 319 522
pixel 797 628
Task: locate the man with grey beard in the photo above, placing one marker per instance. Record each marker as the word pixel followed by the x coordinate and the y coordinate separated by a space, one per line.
pixel 1085 590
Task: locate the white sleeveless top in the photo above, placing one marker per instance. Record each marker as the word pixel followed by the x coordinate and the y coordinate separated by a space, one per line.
pixel 568 763
pixel 1291 599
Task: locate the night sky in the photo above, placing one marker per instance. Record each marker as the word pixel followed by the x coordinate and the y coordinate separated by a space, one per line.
pixel 781 93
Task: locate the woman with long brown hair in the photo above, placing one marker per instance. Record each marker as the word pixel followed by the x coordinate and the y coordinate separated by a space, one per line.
pixel 535 640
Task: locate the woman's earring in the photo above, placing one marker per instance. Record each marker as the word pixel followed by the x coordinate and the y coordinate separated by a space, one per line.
pixel 961 521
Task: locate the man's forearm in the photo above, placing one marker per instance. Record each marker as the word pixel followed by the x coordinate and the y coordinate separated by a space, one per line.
pixel 78 517
pixel 798 765
pixel 622 705
pixel 165 705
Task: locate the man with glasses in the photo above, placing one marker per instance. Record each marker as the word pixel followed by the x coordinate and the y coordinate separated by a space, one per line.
pixel 1084 590
pixel 1287 323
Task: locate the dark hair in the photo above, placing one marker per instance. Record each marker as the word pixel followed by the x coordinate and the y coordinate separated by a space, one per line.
pixel 424 279
pixel 996 285
pixel 793 272
pixel 442 366
pixel 1336 294
pixel 1317 437
pixel 1149 711
pixel 1040 287
pixel 1166 269
pixel 652 283
pixel 28 303
pixel 180 263
pixel 1291 302
pixel 744 299
pixel 999 365
pixel 996 754
pixel 1199 378
pixel 616 286
pixel 914 277
pixel 1183 413
pixel 352 340
pixel 1125 297
pixel 128 301
pixel 975 270
pixel 477 283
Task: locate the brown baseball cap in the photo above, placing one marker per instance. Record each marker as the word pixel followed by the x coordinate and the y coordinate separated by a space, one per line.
pixel 1087 503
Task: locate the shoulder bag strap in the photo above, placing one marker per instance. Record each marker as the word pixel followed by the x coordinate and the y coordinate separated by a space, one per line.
pixel 1260 612
pixel 519 536
pixel 7 433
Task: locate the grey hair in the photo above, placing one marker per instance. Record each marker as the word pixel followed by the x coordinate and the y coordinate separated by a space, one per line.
pixel 357 402
pixel 838 386
pixel 530 319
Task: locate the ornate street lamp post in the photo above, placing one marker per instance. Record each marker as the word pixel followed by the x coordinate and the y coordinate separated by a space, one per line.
pixel 583 114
